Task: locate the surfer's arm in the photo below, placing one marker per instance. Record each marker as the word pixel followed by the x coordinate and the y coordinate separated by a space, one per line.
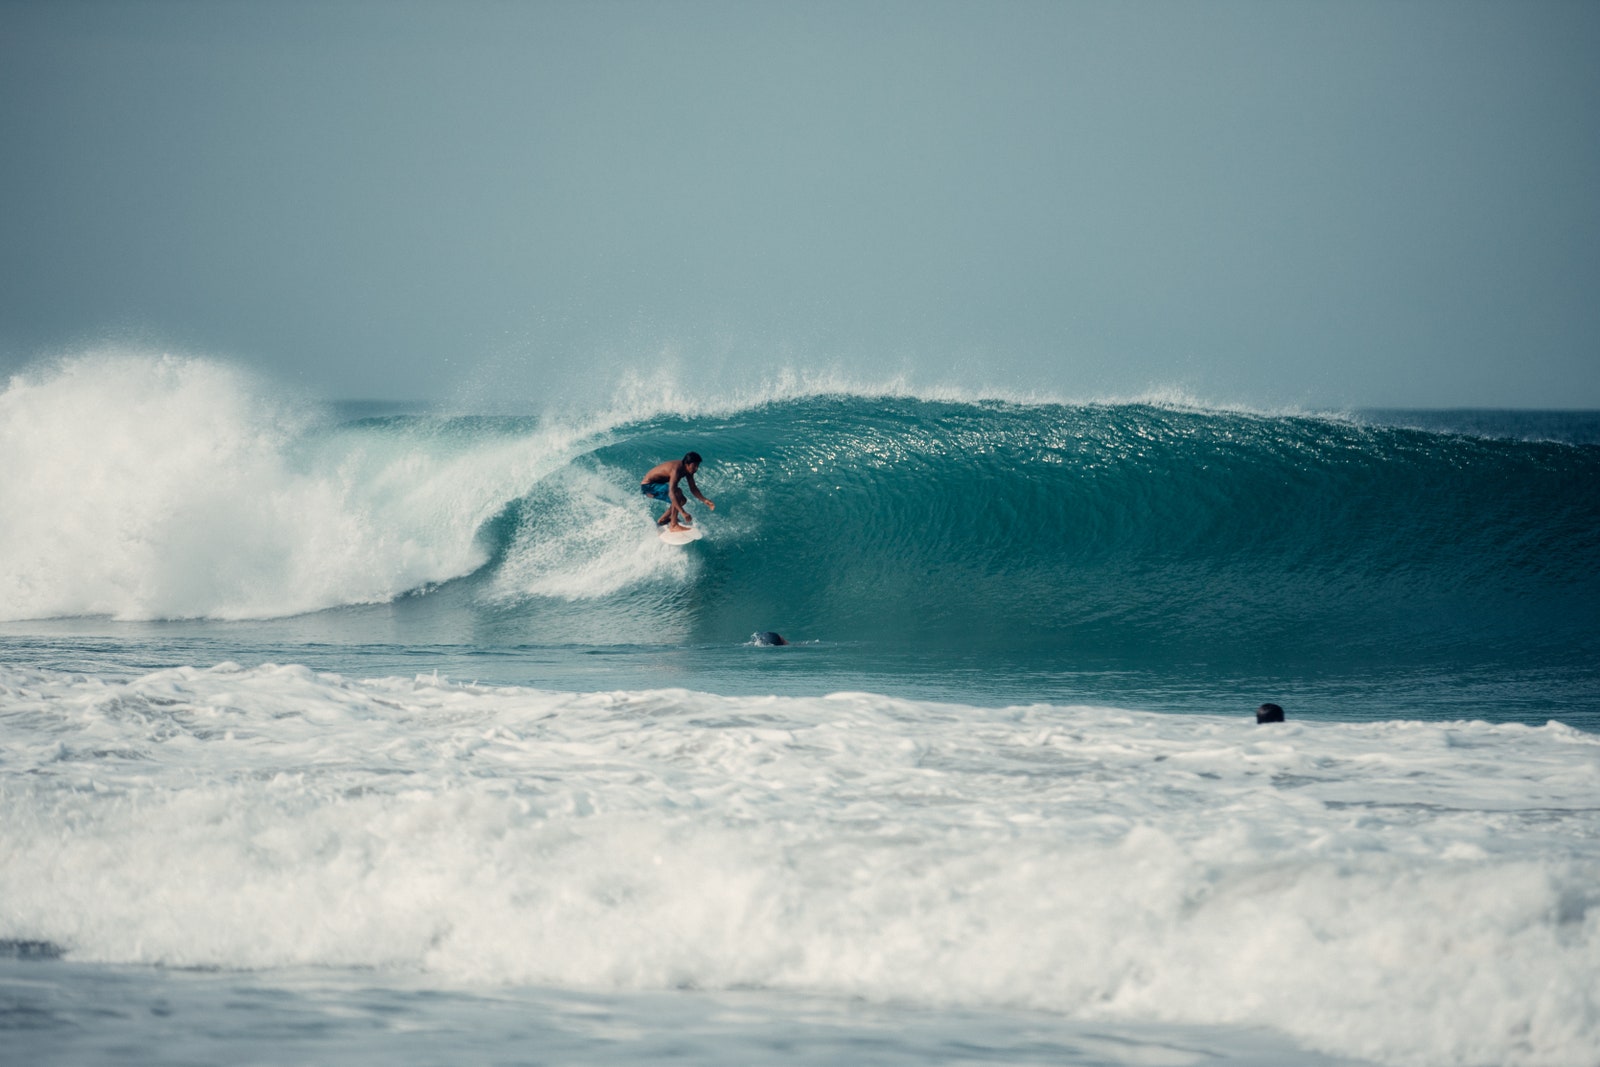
pixel 698 495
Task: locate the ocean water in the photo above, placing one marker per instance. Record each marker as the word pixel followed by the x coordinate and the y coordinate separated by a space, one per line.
pixel 356 733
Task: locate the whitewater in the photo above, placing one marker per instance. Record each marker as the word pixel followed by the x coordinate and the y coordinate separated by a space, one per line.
pixel 340 733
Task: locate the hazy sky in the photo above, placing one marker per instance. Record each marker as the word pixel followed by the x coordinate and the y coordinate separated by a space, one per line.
pixel 1334 203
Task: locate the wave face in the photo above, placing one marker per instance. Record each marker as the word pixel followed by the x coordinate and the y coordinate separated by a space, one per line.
pixel 168 488
pixel 1142 531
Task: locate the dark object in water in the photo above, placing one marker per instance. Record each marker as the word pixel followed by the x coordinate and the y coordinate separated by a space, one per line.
pixel 768 638
pixel 13 949
pixel 1269 713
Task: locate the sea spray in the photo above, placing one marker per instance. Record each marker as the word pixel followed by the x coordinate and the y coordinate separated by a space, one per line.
pixel 168 487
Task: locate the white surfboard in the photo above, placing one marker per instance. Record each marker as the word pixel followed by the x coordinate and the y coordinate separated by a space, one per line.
pixel 680 537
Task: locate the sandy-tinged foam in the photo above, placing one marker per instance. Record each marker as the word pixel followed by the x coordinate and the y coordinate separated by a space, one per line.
pixel 1413 893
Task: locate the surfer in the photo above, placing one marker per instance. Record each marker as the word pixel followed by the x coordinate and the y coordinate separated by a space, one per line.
pixel 662 484
pixel 1269 713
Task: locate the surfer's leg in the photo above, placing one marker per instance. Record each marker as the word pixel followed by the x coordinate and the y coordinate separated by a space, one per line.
pixel 658 491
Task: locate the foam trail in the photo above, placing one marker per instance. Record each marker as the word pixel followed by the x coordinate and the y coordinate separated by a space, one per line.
pixel 583 539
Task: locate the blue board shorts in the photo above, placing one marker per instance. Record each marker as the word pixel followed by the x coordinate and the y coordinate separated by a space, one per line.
pixel 656 491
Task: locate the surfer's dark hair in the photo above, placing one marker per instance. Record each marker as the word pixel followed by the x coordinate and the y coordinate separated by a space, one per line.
pixel 692 457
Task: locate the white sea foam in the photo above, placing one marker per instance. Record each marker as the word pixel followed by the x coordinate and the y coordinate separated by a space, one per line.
pixel 1412 893
pixel 142 486
pixel 585 540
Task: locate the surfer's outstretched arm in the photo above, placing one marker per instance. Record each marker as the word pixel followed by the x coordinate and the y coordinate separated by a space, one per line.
pixel 695 489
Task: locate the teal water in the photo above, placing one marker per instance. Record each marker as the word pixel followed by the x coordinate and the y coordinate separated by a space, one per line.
pixel 1374 565
pixel 333 733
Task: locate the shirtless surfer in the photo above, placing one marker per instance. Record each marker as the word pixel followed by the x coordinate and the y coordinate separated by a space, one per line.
pixel 662 484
